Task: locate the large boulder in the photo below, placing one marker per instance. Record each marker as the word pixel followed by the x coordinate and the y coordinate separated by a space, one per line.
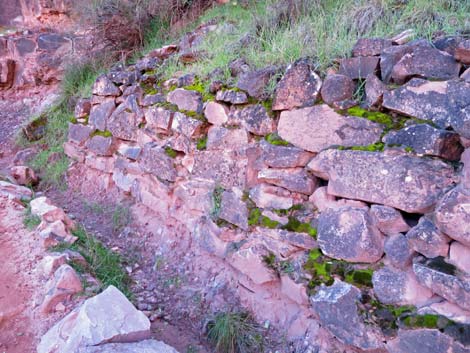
pixel 298 88
pixel 336 307
pixel 108 317
pixel 408 183
pixel 319 127
pixel 452 215
pixel 348 233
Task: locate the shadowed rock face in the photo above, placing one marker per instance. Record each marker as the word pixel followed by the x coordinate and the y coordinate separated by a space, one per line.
pixel 407 183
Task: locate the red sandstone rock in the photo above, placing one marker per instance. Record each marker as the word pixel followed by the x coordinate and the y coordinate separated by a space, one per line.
pixel 370 46
pixel 337 88
pixel 388 220
pixel 216 113
pixel 24 175
pixel 359 67
pixel 462 52
pixel 61 288
pixel 82 108
pixel 293 179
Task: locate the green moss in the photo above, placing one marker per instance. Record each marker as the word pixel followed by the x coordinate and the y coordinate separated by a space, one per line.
pixel 202 143
pixel 361 277
pixel 168 106
pixel 106 133
pixel 254 216
pixel 267 222
pixel 294 225
pixel 149 89
pixel 421 321
pixel 194 115
pixel 409 149
pixel 201 87
pixel 374 147
pixel 270 260
pixel 274 139
pixel 377 117
pixel 170 152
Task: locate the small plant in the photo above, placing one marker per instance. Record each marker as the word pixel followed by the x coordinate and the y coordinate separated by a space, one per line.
pixel 170 152
pixel 235 332
pixel 217 202
pixel 30 221
pixel 202 143
pixel 274 139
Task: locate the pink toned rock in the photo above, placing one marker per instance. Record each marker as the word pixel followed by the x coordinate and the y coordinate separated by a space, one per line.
pixel 147 346
pixel 61 288
pixel 452 216
pixel 465 159
pixel 298 88
pixel 233 209
pixel 358 67
pixel 125 120
pixel 44 208
pixel 106 318
pixel 207 235
pixel 52 234
pixel 216 113
pixel 349 234
pixel 24 175
pixel 423 340
pixel 337 88
pixel 79 133
pixel 296 292
pixel 466 75
pixel 451 311
pixel 459 255
pixel 164 52
pixel 221 138
pixel 316 128
pixel 323 201
pixel 14 192
pixel 100 114
pixel 103 86
pixel 426 239
pixel 186 100
pixel 185 125
pixel 374 89
pixel 370 46
pixel 401 181
pixel 231 96
pixel 158 119
pixel 253 118
pixel 462 52
pixel 284 243
pixel 50 263
pixel 292 179
pixel 283 157
pixel 74 152
pixel 103 164
pixel 397 287
pixel 388 220
pixel 267 196
pixel 250 263
pixel 398 250
pixel 82 108
pixel 155 161
pixel 101 145
pixel 152 193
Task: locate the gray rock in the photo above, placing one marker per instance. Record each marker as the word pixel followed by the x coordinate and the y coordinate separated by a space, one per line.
pixel 79 133
pixel 108 317
pixel 155 161
pixel 51 41
pixel 427 140
pixel 82 108
pixel 129 151
pixel 452 215
pixel 389 57
pixel 349 234
pixel 336 307
pixel 185 125
pixel 147 346
pixel 319 127
pixel 388 220
pixel 337 88
pixel 152 99
pixel 186 100
pixel 398 251
pixel 283 156
pixel 103 86
pixel 234 210
pixel 100 113
pixel 293 179
pixel 255 82
pixel 100 145
pixel 445 280
pixel 125 120
pixel 254 118
pixel 158 119
pixel 374 89
pixel 231 96
pixel 424 340
pixel 299 87
pixel 426 239
pixel 408 183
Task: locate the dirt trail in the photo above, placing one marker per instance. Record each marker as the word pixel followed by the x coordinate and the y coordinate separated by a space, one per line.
pixel 19 283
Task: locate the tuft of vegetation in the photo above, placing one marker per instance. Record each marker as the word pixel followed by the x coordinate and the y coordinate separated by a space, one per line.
pixel 170 152
pixel 201 143
pixel 30 221
pixel 106 133
pixel 274 139
pixel 294 225
pixel 235 332
pixel 104 264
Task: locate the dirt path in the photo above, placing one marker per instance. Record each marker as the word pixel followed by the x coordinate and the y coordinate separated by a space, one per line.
pixel 18 281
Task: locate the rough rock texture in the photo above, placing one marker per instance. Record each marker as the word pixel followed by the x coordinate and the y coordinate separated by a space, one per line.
pixel 100 145
pixel 283 156
pixel 462 52
pixel 459 256
pixel 79 133
pixel 268 196
pixel 404 182
pixel 216 113
pixel 398 251
pixel 61 288
pixel 155 160
pixel 424 340
pixel 24 175
pixel 374 89
pixel 426 239
pixel 100 113
pixel 254 118
pixel 186 100
pixel 105 87
pixel 427 140
pixel 298 88
pixel 106 318
pixel 293 179
pixel 232 96
pixel 349 234
pixel 337 88
pixel 147 346
pixel 316 128
pixel 255 82
pixel 125 120
pixel 359 67
pixel 370 46
pixel 337 309
pixel 233 210
pixel 452 216
pixel 388 220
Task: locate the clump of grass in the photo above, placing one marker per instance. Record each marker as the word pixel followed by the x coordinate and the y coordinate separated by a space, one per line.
pixel 274 139
pixel 170 152
pixel 202 143
pixel 30 221
pixel 235 332
pixel 121 217
pixel 104 264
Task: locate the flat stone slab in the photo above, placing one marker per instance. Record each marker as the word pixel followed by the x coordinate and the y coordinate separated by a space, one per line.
pixel 405 182
pixel 319 127
pixel 424 340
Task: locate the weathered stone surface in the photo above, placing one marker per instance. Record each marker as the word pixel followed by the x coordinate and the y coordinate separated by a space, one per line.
pixel 443 279
pixel 398 251
pixel 82 108
pixel 61 287
pixel 297 292
pixel 337 88
pixel 151 192
pixel 231 96
pixel 106 318
pixel 319 127
pixel 14 192
pixel 424 340
pixel 323 201
pixel 466 75
pixel 462 52
pixel 427 140
pixel 250 262
pixel 284 243
pixel 268 196
pixel 220 138
pixel 359 67
pixel 100 145
pixel 389 57
pixel 103 86
pixel 426 239
pixel 444 103
pixel 459 256
pixel 227 167
pixel 408 183
pixel 79 133
pixel 452 216
pixel 185 125
pixel 129 151
pixel 125 120
pixel 7 73
pixel 234 210
pixel 370 46
pixel 48 212
pixel 283 156
pixel 254 118
pixel 186 100
pixel 74 152
pixel 298 88
pixel 100 113
pixel 216 113
pixel 147 346
pixel 447 43
pixel 293 179
pixel 388 220
pixel 51 41
pixel 155 161
pixel 397 287
pixel 465 179
pixel 426 62
pixel 158 119
pixel 348 233
pixel 151 99
pixel 255 82
pixel 374 89
pixel 103 164
pixel 24 175
pixel 54 233
pixel 337 309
